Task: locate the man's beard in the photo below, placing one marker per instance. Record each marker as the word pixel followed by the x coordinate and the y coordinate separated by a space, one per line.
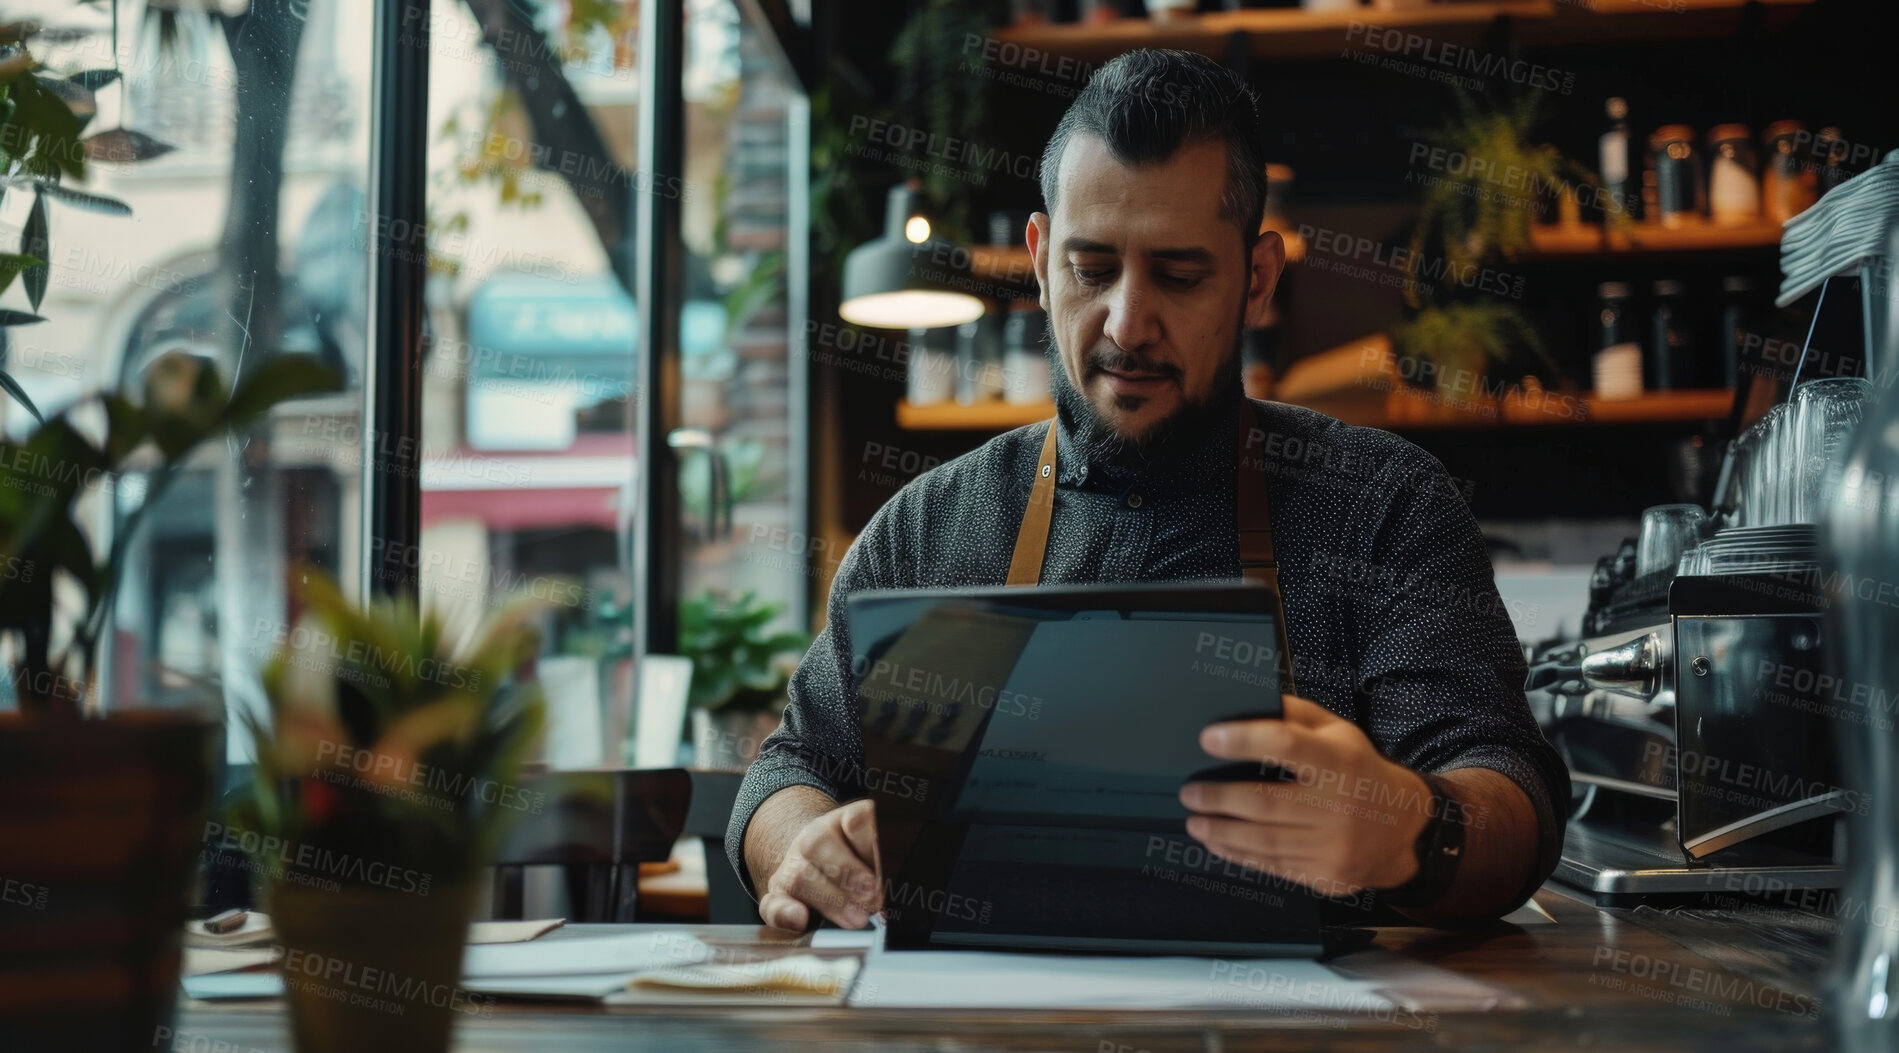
pixel 1184 429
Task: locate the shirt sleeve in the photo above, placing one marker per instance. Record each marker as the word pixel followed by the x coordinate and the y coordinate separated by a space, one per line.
pixel 1440 673
pixel 819 743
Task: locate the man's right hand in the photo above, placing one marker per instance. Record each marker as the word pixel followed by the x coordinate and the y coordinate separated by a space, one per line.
pixel 826 860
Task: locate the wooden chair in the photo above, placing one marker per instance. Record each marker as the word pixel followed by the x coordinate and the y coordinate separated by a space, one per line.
pixel 599 826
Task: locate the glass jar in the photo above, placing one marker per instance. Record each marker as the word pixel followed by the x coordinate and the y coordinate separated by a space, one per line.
pixel 932 368
pixel 1671 349
pixel 1734 188
pixel 1678 184
pixel 979 358
pixel 1737 323
pixel 1788 184
pixel 1617 365
pixel 1025 356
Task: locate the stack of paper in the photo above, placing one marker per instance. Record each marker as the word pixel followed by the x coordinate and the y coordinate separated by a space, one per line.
pixel 987 980
pixel 257 931
pixel 569 965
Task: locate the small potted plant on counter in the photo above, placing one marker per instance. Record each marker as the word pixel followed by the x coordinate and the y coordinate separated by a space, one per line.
pixel 383 784
pixel 740 668
pixel 105 804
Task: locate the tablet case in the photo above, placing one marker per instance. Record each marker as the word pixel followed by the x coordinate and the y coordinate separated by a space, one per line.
pixel 1025 749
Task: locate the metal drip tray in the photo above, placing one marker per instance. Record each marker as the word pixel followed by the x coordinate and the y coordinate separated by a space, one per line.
pixel 1626 866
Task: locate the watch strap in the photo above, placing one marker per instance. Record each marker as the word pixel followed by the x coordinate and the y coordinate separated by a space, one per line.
pixel 1439 848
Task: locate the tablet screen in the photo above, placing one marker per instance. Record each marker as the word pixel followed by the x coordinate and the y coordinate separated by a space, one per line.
pixel 1026 749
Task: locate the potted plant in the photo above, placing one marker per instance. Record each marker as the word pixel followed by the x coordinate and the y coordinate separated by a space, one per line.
pixel 383 783
pixel 104 811
pixel 739 671
pixel 1478 211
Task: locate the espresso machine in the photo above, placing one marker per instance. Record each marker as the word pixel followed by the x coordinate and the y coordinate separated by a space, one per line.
pixel 1699 715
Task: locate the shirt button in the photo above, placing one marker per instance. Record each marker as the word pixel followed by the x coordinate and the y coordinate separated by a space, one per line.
pixel 1134 500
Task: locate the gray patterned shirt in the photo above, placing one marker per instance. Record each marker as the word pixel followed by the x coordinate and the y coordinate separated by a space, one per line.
pixel 1392 609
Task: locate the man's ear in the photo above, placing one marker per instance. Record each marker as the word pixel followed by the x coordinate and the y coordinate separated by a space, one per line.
pixel 1268 262
pixel 1037 235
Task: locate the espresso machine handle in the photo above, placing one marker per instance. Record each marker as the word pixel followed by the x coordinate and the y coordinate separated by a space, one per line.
pixel 1638 669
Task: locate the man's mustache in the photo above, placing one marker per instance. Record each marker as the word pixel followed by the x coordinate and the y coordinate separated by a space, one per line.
pixel 1117 360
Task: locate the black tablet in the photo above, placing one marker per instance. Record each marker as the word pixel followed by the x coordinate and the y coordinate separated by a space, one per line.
pixel 1026 747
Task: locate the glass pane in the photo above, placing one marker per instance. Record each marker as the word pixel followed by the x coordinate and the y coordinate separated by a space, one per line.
pixel 741 468
pixel 236 137
pixel 529 464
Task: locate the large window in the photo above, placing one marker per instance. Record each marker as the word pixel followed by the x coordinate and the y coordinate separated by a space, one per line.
pixel 532 469
pixel 249 229
pixel 220 215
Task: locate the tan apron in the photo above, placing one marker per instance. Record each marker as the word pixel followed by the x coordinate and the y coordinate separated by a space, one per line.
pixel 1257 562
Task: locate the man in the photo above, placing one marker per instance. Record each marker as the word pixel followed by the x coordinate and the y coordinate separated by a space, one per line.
pixel 1419 770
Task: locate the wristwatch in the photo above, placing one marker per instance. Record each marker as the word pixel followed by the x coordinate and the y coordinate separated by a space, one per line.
pixel 1439 848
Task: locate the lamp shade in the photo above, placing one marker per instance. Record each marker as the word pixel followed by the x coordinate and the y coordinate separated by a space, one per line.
pixel 896 283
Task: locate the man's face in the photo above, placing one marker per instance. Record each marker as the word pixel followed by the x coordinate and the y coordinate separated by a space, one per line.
pixel 1145 285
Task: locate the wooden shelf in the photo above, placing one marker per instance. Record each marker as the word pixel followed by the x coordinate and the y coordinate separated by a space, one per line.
pixel 983 416
pixel 1648 239
pixel 1012 264
pixel 1009 264
pixel 1411 409
pixel 1404 409
pixel 1292 32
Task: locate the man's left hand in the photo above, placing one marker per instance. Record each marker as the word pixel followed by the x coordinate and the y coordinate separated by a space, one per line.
pixel 1348 820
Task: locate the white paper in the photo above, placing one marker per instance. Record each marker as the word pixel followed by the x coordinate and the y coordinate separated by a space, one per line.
pixel 589 986
pixel 990 980
pixel 1529 914
pixel 797 974
pixel 837 939
pixel 576 955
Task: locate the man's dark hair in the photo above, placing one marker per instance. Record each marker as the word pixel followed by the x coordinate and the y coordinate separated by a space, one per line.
pixel 1146 104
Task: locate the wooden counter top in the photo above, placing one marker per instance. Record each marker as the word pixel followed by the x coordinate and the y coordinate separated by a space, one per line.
pixel 1596 978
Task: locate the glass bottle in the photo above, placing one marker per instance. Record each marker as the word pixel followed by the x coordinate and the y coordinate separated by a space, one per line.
pixel 1737 322
pixel 1671 348
pixel 1679 196
pixel 1617 365
pixel 1734 188
pixel 1788 182
pixel 1614 156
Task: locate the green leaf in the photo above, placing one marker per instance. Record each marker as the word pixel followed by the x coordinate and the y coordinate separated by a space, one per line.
pixel 10 317
pixel 125 427
pixel 12 265
pixel 79 199
pixel 274 380
pixel 94 79
pixel 34 239
pixel 13 388
pixel 123 146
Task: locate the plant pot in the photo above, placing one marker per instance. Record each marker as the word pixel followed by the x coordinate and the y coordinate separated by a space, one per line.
pixel 728 739
pixel 99 843
pixel 373 968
